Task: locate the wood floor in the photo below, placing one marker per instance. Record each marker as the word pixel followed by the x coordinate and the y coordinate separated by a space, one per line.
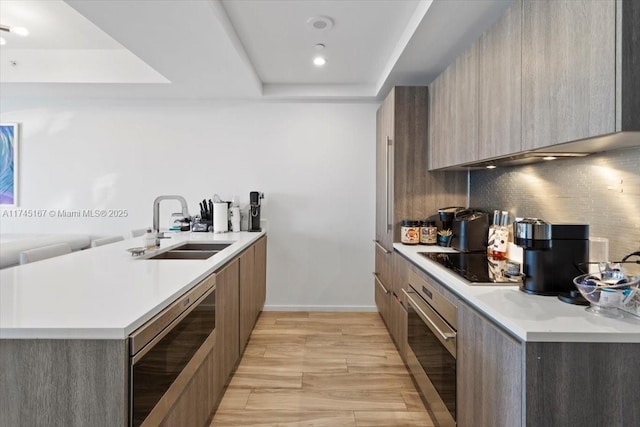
pixel 321 369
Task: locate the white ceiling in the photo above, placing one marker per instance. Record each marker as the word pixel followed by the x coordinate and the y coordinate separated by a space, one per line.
pixel 232 48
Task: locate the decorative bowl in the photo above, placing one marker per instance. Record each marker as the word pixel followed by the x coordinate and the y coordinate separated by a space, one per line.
pixel 607 292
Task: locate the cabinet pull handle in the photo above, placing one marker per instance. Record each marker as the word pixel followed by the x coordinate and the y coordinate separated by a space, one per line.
pixel 380 283
pixel 388 184
pixel 445 335
pixel 382 248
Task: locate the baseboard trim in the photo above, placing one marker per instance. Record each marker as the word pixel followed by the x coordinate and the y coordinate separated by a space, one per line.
pixel 363 308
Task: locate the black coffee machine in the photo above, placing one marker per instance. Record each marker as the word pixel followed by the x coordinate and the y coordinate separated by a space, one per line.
pixel 254 210
pixel 553 255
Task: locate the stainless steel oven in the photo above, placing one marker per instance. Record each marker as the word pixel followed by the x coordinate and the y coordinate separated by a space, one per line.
pixel 160 350
pixel 431 356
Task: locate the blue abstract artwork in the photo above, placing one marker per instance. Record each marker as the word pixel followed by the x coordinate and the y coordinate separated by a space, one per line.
pixel 8 164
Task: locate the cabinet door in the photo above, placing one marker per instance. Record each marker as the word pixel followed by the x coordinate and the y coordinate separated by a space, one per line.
pixel 227 318
pixel 381 295
pixel 248 295
pixel 499 86
pixel 384 171
pixel 465 138
pixel 489 371
pixel 381 178
pixel 382 281
pixel 568 71
pixel 441 114
pixel 455 140
pixel 398 303
pixel 261 274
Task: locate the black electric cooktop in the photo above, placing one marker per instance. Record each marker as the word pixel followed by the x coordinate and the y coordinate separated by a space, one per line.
pixel 477 268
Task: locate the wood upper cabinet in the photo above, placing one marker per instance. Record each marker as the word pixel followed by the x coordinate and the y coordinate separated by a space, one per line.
pixel 489 372
pixel 465 142
pixel 499 86
pixel 227 317
pixel 454 113
pixel 568 71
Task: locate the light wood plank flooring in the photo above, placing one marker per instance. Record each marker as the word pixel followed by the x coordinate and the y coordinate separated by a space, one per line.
pixel 321 369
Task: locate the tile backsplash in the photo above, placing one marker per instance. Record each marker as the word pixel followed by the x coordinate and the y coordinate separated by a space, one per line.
pixel 602 190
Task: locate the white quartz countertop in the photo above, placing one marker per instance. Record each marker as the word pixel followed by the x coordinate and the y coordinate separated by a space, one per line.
pixel 528 317
pixel 103 292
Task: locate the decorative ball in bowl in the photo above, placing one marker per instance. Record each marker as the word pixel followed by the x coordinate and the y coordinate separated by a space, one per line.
pixel 607 293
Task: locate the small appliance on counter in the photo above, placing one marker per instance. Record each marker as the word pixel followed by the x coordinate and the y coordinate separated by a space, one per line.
pixel 446 216
pixel 254 210
pixel 470 229
pixel 553 254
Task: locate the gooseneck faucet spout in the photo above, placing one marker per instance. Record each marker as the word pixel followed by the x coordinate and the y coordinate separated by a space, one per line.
pixel 156 209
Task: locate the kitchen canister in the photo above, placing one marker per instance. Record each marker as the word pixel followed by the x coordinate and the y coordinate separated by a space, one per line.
pixel 410 232
pixel 428 233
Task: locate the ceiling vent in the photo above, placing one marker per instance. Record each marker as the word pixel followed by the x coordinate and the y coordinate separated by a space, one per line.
pixel 321 23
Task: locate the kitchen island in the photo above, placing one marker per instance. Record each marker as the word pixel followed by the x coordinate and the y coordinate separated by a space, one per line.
pixel 528 360
pixel 65 324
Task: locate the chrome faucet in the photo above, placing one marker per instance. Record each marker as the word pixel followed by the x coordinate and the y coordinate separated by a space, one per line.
pixel 156 209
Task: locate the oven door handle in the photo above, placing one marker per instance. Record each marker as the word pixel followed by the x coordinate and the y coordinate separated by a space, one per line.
pixel 447 336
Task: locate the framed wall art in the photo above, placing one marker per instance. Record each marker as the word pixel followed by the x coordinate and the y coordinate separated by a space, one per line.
pixel 9 137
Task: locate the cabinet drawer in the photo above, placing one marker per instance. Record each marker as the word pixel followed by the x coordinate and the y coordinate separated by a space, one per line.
pixel 446 302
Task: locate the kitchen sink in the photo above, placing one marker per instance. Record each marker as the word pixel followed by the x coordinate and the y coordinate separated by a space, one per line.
pixel 195 246
pixel 188 254
pixel 192 250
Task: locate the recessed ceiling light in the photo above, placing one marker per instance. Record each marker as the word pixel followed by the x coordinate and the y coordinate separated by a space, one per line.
pixel 549 158
pixel 321 23
pixel 491 167
pixel 319 61
pixel 2 41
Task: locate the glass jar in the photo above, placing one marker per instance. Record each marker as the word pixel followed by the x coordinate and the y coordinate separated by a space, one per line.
pixel 428 233
pixel 410 232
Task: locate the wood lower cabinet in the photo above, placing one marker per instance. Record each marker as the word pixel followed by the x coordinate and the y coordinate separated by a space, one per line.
pixel 390 300
pixel 228 317
pixel 252 287
pixel 261 274
pixel 202 389
pixel 71 383
pixel 506 382
pixel 489 370
pixel 248 294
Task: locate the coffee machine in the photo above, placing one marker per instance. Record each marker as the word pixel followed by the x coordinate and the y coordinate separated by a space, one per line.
pixel 254 210
pixel 553 255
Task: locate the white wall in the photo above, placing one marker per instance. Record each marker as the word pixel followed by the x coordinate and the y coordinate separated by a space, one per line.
pixel 314 162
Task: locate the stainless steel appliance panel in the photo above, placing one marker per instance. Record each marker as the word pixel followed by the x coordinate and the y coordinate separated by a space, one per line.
pixel 155 367
pixel 432 357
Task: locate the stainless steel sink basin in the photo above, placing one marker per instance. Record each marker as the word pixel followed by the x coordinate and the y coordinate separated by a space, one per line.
pixel 188 254
pixel 195 246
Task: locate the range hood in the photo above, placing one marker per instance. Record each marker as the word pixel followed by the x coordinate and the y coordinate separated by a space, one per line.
pixel 580 148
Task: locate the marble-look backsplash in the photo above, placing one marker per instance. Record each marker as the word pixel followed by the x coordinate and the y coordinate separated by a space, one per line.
pixel 602 190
